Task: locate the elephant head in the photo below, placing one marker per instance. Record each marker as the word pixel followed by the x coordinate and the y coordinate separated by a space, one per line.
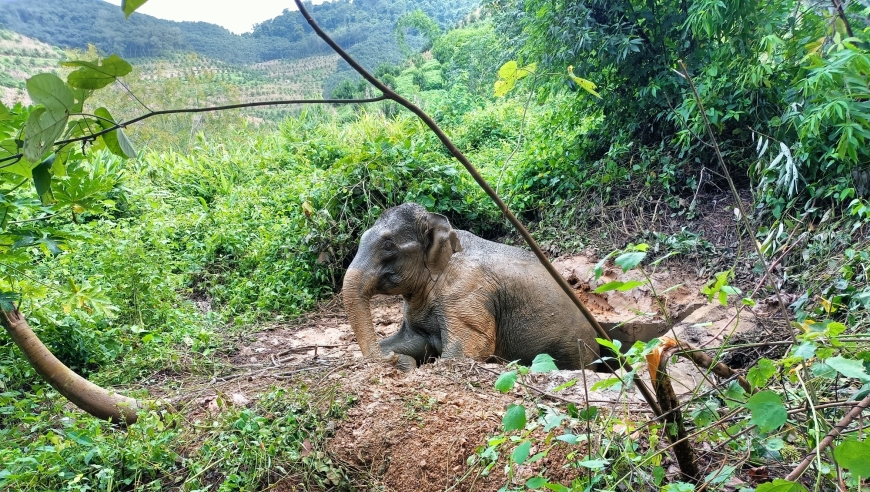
pixel 406 249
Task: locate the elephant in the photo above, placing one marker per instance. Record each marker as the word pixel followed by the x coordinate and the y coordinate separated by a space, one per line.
pixel 464 296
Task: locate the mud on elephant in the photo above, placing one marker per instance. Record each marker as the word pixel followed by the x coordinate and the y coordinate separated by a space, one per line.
pixel 463 296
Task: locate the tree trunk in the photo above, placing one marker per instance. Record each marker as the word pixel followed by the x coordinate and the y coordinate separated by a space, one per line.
pixel 97 401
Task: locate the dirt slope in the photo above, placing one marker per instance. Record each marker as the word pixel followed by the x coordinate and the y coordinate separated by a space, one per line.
pixel 418 431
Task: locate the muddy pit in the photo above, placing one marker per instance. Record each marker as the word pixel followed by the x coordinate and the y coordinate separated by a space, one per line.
pixel 416 431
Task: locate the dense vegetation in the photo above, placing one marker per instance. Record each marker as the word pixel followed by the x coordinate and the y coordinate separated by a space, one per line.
pixel 107 256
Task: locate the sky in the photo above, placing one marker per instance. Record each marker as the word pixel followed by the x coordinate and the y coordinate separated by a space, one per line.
pixel 236 15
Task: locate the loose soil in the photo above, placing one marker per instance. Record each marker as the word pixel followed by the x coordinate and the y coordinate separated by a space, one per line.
pixel 417 431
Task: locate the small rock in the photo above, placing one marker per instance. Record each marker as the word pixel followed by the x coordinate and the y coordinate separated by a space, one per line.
pixel 239 399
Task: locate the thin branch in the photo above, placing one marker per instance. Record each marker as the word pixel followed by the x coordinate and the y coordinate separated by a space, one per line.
pixel 829 438
pixel 209 109
pixel 478 178
pixel 744 218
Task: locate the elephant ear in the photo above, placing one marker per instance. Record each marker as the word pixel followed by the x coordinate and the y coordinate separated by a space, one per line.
pixel 439 241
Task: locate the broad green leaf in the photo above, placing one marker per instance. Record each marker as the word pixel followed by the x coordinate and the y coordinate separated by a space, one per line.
pixel 761 373
pixel 849 367
pixel 557 487
pixel 805 351
pixel 565 385
pixel 44 125
pixel 631 284
pixel 822 370
pixel 508 70
pixel 658 475
pixel 735 391
pixel 594 464
pixel 767 410
pixel 528 70
pixel 855 456
pixel 125 144
pixel 502 87
pixel 572 410
pixel 49 90
pixel 780 485
pixel 41 131
pixel 535 482
pixel 774 444
pixel 521 453
pixel 605 383
pixel 92 76
pixel 586 85
pixel 679 487
pixel 552 420
pixel 506 381
pixel 614 345
pixel 116 141
pixel 42 179
pixel 589 413
pixel 720 475
pixel 599 267
pixel 80 96
pixel 609 286
pixel 130 6
pixel 570 438
pixel 514 418
pixel 543 363
pixel 627 261
pixel 8 300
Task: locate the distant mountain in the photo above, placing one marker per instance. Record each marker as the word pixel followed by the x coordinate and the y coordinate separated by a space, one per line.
pixel 367 23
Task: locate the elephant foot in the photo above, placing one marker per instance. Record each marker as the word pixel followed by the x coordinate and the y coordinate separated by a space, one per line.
pixel 405 363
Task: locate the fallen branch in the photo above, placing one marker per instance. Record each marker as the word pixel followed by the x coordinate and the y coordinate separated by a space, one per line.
pixel 829 438
pixel 95 400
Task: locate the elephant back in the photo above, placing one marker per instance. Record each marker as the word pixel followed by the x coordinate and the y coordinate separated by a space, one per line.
pixel 477 246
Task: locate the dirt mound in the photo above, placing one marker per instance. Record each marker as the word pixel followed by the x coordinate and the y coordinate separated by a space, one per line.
pixel 424 430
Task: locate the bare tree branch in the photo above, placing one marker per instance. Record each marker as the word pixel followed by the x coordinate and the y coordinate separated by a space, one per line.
pixel 493 195
pixel 209 109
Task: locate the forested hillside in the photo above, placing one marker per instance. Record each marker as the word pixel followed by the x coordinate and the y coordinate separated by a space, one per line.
pixel 78 23
pixel 698 172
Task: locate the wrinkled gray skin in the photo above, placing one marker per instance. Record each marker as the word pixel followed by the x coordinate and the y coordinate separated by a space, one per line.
pixel 463 296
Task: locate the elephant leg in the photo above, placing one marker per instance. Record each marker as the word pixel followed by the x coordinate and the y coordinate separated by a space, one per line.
pixel 412 348
pixel 471 334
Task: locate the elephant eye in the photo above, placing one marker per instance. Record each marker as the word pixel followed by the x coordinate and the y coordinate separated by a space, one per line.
pixel 388 245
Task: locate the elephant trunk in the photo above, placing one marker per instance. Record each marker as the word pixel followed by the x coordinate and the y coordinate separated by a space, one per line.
pixel 356 293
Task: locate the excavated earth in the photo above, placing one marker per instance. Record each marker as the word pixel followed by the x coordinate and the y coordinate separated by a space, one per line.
pixel 417 431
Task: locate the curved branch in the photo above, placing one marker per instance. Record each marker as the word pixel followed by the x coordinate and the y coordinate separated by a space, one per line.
pixel 209 109
pixel 93 399
pixel 520 228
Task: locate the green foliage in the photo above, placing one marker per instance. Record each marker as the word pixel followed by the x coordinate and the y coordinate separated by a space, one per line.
pixel 81 454
pixel 854 455
pixel 472 55
pixel 780 485
pixel 775 68
pixel 768 412
pixel 283 434
pixel 422 23
pixel 514 418
pixel 130 6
